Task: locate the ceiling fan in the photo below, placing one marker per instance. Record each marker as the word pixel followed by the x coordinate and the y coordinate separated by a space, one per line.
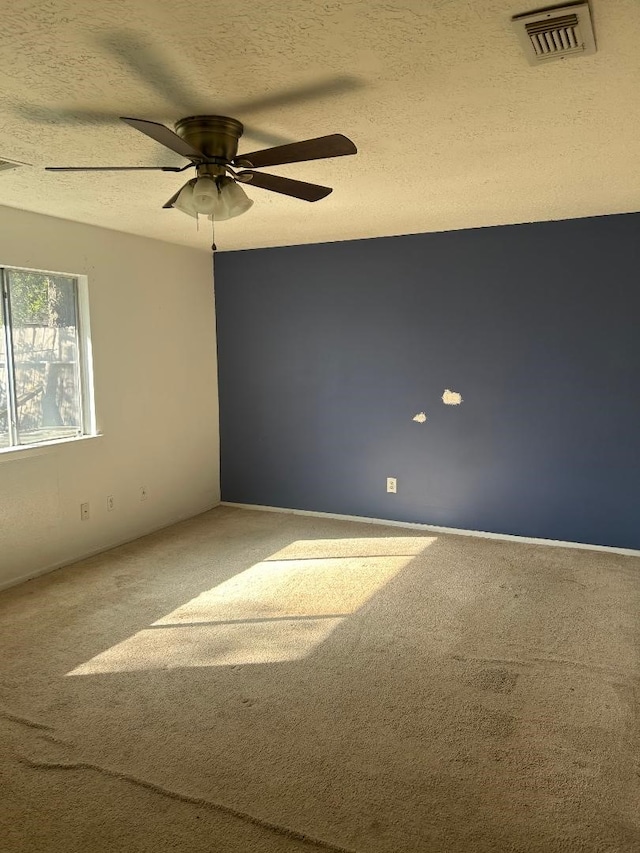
pixel 210 143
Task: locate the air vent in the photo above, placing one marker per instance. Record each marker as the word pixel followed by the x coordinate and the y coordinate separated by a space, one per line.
pixel 556 33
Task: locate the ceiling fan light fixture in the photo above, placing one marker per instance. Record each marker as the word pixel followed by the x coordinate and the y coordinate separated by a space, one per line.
pixel 216 199
pixel 205 196
pixel 184 202
pixel 236 199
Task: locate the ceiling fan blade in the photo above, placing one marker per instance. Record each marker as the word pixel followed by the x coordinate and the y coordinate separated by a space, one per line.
pixel 115 168
pixel 286 186
pixel 165 137
pixel 335 145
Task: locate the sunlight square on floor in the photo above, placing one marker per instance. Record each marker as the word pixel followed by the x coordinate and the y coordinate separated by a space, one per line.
pixel 279 609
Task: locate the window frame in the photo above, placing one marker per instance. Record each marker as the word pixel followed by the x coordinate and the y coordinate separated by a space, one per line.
pixel 86 397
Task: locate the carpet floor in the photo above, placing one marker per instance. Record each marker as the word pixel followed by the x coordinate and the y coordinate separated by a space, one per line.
pixel 249 681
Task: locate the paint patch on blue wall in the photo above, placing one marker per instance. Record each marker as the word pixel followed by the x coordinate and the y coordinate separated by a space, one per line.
pixel 327 352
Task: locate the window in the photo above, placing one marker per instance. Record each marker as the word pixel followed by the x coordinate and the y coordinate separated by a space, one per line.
pixel 44 368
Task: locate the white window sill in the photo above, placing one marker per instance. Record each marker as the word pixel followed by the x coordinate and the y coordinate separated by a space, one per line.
pixel 26 451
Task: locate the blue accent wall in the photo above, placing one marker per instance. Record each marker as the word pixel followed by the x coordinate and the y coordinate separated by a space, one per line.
pixel 326 352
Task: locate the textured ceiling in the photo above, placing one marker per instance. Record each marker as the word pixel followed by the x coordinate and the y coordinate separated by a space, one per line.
pixel 454 128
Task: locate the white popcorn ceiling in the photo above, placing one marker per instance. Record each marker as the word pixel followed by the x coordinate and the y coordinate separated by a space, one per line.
pixel 454 128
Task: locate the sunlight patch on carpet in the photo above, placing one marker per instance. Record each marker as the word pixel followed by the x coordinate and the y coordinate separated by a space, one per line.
pixel 277 610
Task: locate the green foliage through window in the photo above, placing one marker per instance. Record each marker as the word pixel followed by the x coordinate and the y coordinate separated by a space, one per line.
pixel 39 299
pixel 40 363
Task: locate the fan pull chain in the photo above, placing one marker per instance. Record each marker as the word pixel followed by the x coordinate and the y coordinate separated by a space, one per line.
pixel 213 235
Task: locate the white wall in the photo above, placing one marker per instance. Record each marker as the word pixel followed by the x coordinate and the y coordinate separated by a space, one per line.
pixel 154 354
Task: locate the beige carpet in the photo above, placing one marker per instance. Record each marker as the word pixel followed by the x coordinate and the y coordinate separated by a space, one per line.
pixel 248 681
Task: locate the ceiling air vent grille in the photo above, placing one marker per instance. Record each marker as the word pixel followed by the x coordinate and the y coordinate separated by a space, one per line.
pixel 556 33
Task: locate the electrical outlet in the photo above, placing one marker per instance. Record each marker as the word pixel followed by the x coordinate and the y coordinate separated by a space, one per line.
pixel 392 486
pixel 84 512
pixel 143 493
pixel 111 503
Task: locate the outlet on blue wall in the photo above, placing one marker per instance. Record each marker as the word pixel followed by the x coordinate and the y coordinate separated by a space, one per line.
pixel 326 353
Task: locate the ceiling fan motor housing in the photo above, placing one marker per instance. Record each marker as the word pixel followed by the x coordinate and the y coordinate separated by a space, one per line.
pixel 215 136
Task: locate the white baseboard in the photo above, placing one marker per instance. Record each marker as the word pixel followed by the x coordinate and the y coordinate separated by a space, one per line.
pixel 6 584
pixel 430 528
